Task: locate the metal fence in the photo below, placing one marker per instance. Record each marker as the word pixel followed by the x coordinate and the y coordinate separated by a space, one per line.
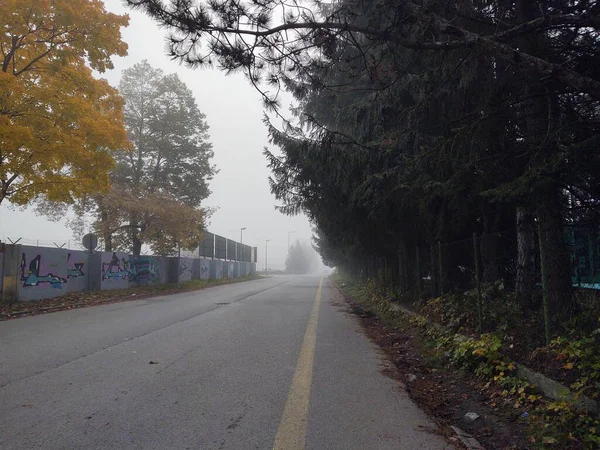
pixel 439 268
pixel 212 246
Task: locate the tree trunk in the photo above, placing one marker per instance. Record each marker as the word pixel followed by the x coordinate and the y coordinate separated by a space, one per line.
pixel 488 245
pixel 136 244
pixel 108 245
pixel 538 120
pixel 435 278
pixel 106 234
pixel 555 255
pixel 526 248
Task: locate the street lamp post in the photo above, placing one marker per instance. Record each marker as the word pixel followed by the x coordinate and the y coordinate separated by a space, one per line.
pixel 181 199
pixel 178 261
pixel 289 232
pixel 237 257
pixel 266 253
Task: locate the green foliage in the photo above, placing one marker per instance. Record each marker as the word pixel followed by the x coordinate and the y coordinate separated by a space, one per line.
pixel 552 424
pixel 558 425
pixel 158 187
pixel 581 355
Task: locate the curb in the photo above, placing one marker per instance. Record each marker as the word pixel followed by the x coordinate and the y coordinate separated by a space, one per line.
pixel 551 389
pixel 468 441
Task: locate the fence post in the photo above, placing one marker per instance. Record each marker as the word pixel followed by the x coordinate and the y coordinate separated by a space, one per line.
pixel 400 276
pixel 418 273
pixel 477 281
pixel 440 269
pixel 545 298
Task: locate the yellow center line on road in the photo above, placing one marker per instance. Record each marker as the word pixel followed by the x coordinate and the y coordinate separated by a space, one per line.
pixel 291 434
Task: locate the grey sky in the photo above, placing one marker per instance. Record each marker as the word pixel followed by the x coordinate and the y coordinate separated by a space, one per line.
pixel 234 113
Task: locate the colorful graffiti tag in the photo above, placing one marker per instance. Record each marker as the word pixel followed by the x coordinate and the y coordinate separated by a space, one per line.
pixel 144 269
pixel 74 270
pixel 34 278
pixel 115 269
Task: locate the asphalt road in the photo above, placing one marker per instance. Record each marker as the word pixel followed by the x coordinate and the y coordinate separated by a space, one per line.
pixel 272 363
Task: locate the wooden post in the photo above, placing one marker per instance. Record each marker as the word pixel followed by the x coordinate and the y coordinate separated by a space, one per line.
pixel 440 269
pixel 544 269
pixel 477 280
pixel 418 274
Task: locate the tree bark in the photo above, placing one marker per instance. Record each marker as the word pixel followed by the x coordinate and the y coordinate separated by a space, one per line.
pixel 526 249
pixel 555 254
pixel 106 233
pixel 539 119
pixel 435 277
pixel 136 245
pixel 488 247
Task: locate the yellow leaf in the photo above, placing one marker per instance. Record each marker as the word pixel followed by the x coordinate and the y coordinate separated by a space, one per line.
pixel 57 122
pixel 568 366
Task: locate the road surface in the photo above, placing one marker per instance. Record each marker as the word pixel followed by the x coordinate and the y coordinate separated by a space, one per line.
pixel 272 363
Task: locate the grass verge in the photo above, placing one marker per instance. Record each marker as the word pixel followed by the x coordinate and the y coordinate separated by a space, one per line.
pixel 75 300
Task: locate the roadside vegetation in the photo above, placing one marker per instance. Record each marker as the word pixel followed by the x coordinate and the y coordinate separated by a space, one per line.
pixel 446 335
pixel 76 300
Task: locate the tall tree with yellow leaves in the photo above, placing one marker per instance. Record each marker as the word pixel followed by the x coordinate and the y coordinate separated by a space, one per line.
pixel 58 124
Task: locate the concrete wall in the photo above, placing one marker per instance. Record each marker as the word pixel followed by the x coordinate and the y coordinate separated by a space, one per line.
pixel 218 269
pixel 204 269
pixel 114 270
pixel 78 264
pixel 42 273
pixel 148 270
pixel 35 273
pixel 185 269
pixel 11 255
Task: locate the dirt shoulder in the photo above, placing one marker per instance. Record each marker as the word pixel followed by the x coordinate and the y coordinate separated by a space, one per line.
pixel 447 395
pixel 75 300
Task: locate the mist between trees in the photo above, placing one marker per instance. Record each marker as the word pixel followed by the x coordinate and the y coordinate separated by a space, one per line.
pixel 156 186
pixel 132 164
pixel 414 124
pixel 302 259
pixel 419 123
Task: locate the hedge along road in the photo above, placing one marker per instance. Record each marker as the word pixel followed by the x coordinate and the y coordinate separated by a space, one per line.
pixel 270 363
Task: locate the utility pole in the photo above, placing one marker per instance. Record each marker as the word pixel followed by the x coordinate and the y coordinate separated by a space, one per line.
pixel 182 199
pixel 266 253
pixel 178 261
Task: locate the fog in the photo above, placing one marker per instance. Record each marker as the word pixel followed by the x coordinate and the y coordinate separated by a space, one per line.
pixel 240 191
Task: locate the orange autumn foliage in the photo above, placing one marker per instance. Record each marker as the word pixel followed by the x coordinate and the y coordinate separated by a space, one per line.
pixel 58 124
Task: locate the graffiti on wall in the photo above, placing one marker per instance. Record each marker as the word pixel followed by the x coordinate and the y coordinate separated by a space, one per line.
pixel 33 277
pixel 204 269
pixel 185 267
pixel 74 270
pixel 144 269
pixel 115 269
